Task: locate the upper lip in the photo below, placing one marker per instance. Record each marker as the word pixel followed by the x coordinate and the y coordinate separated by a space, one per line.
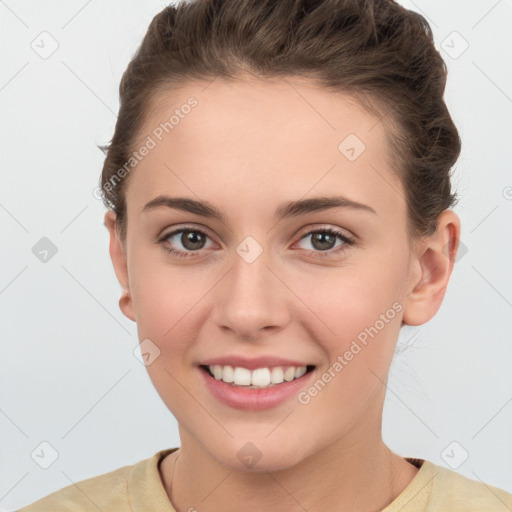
pixel 251 363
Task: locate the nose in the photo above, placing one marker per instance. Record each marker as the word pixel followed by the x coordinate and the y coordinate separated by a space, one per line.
pixel 252 300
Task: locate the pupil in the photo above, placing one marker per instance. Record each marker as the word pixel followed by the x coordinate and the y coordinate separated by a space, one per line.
pixel 192 238
pixel 321 238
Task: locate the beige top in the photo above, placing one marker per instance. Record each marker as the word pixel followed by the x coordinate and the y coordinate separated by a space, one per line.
pixel 139 488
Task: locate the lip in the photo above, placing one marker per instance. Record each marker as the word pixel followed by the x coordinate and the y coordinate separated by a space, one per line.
pixel 251 363
pixel 255 399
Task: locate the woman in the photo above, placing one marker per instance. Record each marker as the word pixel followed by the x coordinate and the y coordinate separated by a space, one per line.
pixel 279 196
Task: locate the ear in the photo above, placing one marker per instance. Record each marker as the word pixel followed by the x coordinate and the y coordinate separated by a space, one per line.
pixel 118 257
pixel 432 267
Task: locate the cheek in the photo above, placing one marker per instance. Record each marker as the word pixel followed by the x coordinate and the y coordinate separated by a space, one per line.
pixel 357 318
pixel 165 302
pixel 170 304
pixel 363 321
pixel 162 294
pixel 346 300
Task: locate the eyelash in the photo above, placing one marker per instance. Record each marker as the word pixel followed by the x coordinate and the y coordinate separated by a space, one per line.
pixel 319 254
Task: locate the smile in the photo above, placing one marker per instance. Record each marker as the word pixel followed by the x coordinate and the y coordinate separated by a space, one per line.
pixel 258 378
pixel 247 396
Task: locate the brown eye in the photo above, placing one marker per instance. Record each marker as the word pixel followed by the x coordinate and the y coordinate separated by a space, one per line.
pixel 323 242
pixel 184 242
pixel 192 240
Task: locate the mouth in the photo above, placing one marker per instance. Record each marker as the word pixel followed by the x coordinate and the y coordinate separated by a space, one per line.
pixel 258 378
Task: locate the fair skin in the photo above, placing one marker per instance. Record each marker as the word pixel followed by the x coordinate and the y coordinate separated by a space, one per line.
pixel 246 148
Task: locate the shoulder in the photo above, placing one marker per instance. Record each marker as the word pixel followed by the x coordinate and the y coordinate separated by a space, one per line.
pixel 109 491
pixel 94 493
pixel 438 489
pixel 453 491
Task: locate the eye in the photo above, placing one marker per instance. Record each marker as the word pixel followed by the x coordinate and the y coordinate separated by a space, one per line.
pixel 323 242
pixel 192 239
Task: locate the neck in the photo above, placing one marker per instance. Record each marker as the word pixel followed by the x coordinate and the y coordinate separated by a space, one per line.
pixel 356 473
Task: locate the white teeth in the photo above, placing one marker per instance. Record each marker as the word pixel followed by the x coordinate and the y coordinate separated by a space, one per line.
pixel 300 371
pixel 228 374
pixel 289 374
pixel 276 375
pixel 242 376
pixel 261 377
pixel 258 378
pixel 217 371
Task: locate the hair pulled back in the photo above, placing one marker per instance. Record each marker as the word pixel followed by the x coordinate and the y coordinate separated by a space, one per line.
pixel 375 50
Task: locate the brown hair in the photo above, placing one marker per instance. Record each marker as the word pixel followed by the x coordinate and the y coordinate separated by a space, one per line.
pixel 377 51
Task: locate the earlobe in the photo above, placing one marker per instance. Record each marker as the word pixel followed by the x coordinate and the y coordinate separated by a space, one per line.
pixel 432 269
pixel 119 261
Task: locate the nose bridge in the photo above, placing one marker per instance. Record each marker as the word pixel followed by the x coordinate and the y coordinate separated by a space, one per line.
pixel 251 297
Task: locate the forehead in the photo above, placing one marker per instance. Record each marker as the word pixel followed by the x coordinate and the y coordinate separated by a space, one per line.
pixel 296 107
pixel 281 138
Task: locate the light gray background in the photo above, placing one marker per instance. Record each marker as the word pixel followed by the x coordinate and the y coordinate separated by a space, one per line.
pixel 68 374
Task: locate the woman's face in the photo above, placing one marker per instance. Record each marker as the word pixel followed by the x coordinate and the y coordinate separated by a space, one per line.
pixel 265 280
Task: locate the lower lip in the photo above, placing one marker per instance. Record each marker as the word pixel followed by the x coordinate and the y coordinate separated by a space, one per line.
pixel 254 399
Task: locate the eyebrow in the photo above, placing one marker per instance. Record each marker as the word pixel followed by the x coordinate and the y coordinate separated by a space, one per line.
pixel 286 210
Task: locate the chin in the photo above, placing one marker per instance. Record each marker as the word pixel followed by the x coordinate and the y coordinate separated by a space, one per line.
pixel 259 455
